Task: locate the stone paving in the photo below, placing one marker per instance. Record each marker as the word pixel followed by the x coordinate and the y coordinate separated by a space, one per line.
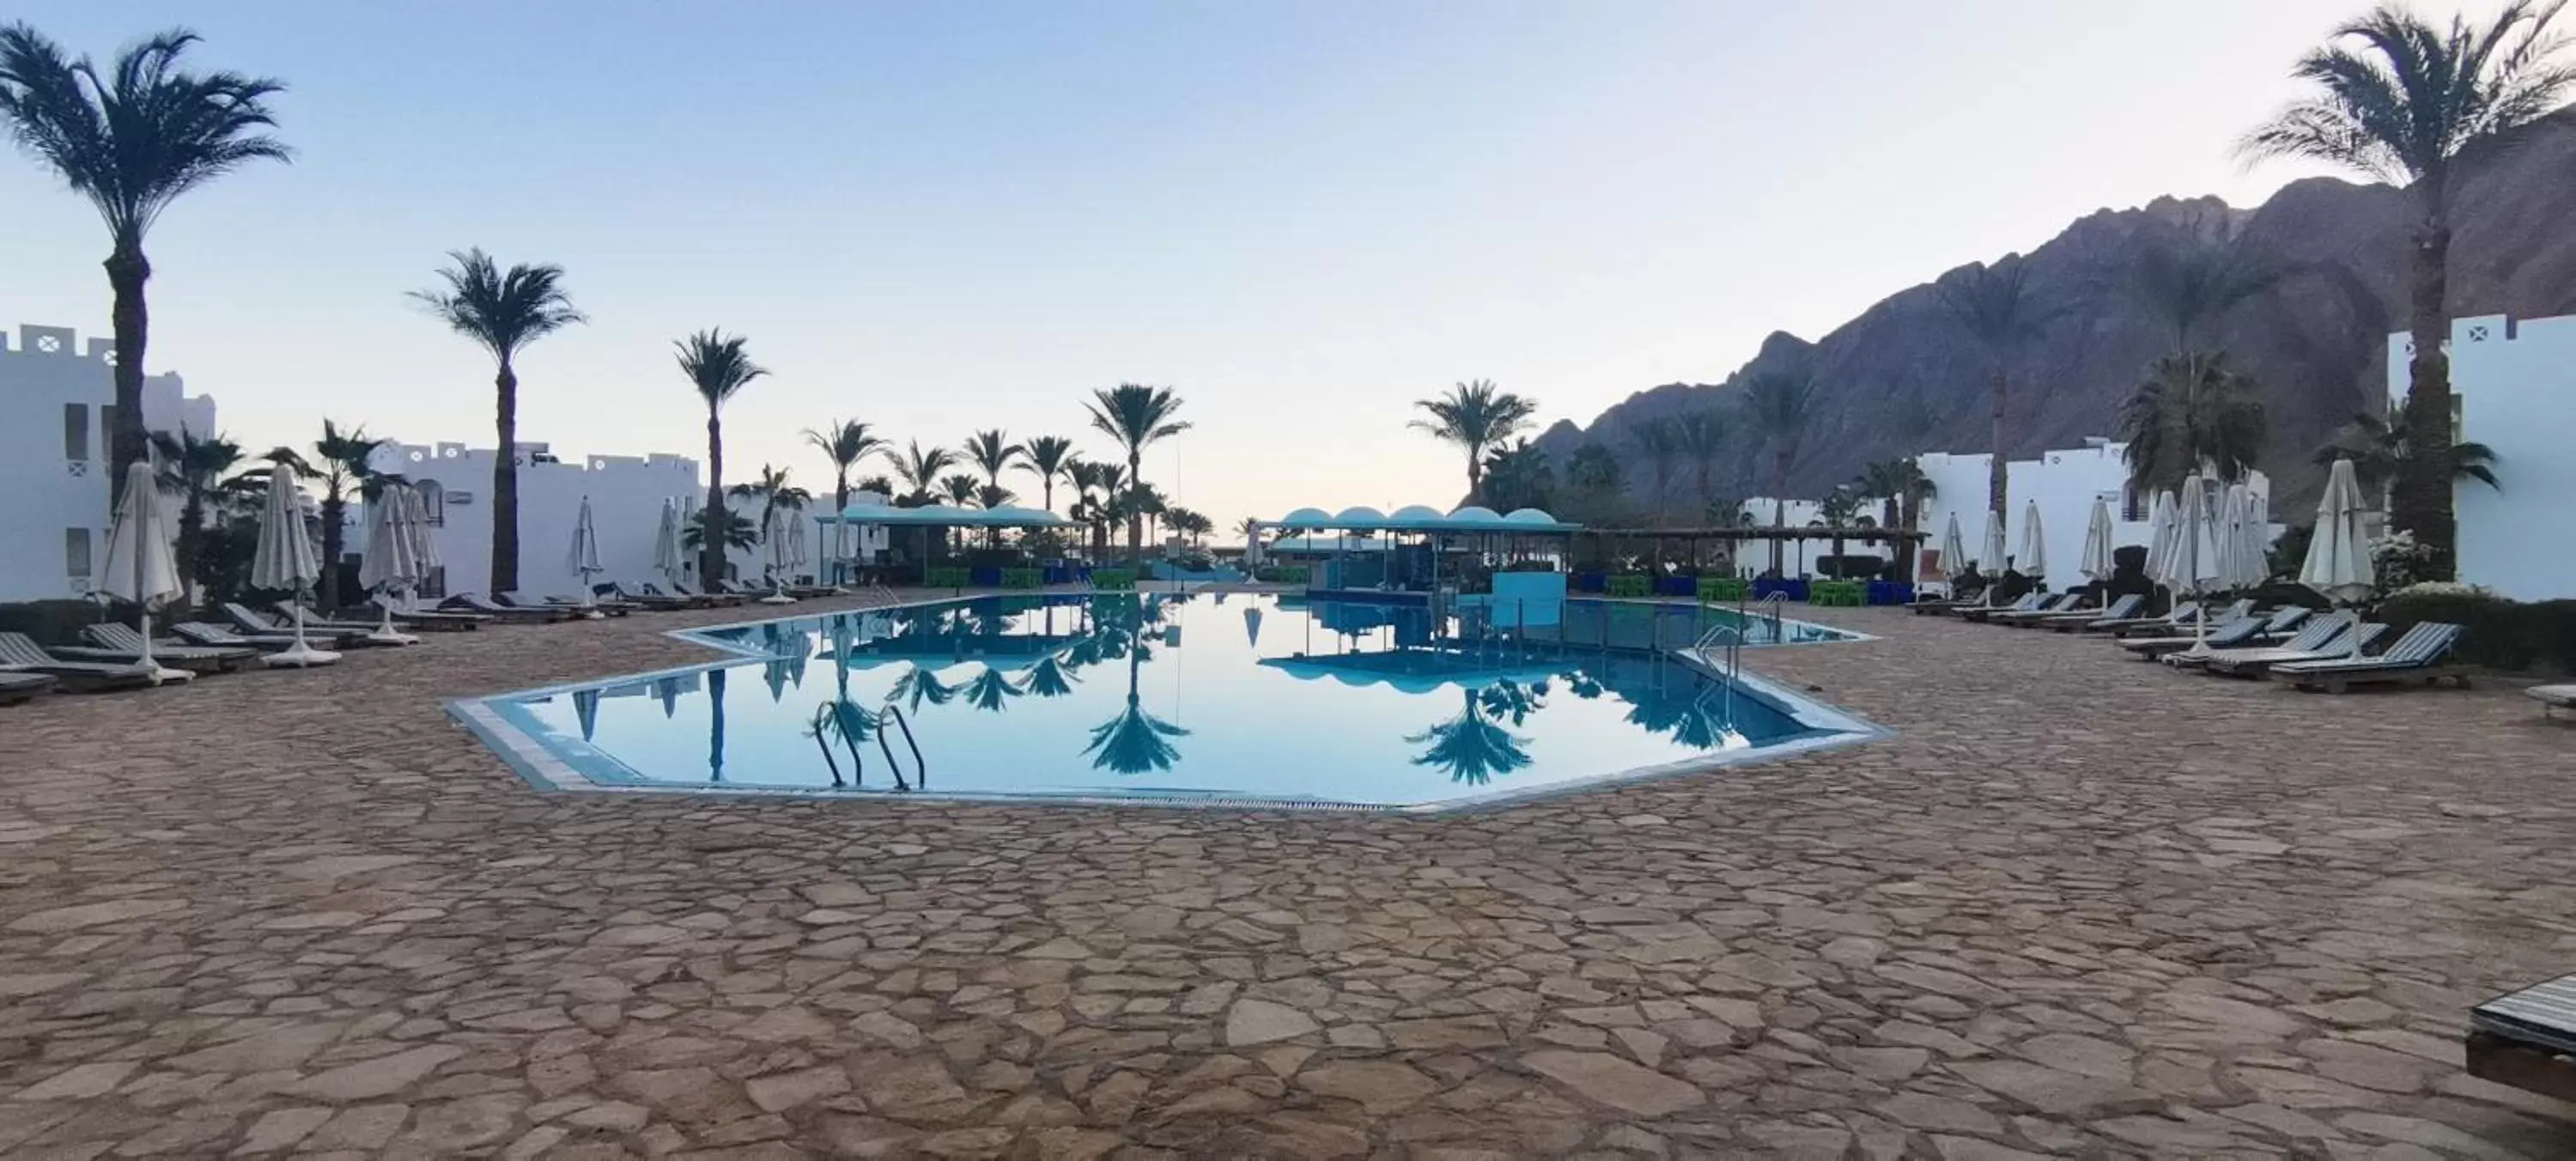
pixel 2079 907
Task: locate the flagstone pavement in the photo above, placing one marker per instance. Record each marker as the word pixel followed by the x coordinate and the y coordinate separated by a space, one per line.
pixel 2077 907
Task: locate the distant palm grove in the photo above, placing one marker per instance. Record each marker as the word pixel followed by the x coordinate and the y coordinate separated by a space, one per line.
pixel 2390 95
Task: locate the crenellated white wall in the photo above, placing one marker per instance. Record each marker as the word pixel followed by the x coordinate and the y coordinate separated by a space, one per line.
pixel 625 492
pixel 51 485
pixel 2514 385
pixel 2064 482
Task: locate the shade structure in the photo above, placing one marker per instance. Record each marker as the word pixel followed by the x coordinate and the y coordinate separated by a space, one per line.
pixel 2338 564
pixel 2097 563
pixel 286 560
pixel 2192 567
pixel 1424 518
pixel 666 541
pixel 140 566
pixel 2033 558
pixel 944 516
pixel 1954 550
pixel 584 555
pixel 389 566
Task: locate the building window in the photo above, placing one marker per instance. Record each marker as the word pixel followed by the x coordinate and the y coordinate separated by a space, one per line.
pixel 75 431
pixel 433 503
pixel 76 553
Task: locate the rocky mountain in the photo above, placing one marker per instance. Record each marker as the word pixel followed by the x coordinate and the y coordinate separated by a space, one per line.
pixel 1903 378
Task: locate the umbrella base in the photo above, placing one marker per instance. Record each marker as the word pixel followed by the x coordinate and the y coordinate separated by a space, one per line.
pixel 390 637
pixel 163 675
pixel 777 599
pixel 301 656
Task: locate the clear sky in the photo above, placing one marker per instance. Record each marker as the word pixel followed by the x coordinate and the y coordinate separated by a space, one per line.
pixel 939 217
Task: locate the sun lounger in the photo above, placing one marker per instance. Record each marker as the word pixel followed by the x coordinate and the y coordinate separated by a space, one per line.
pixel 2243 632
pixel 2319 637
pixel 215 636
pixel 573 605
pixel 2416 656
pixel 2181 616
pixel 2125 606
pixel 717 599
pixel 20 653
pixel 322 635
pixel 478 603
pixel 123 643
pixel 2030 602
pixel 438 621
pixel 2553 698
pixel 2527 1039
pixel 655 602
pixel 17 688
pixel 2061 603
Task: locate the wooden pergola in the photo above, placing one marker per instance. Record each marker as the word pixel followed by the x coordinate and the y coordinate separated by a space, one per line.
pixel 1905 539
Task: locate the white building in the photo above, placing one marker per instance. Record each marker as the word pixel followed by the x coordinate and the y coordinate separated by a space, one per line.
pixel 625 492
pixel 57 406
pixel 2065 483
pixel 2514 389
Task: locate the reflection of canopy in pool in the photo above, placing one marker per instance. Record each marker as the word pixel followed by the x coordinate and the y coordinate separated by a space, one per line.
pixel 1423 518
pixel 944 516
pixel 1409 670
pixel 1003 651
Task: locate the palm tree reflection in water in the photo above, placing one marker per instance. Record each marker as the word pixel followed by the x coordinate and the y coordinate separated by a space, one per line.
pixel 990 691
pixel 919 687
pixel 715 724
pixel 1474 746
pixel 1135 741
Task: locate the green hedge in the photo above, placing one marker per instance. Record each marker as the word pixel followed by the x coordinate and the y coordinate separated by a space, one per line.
pixel 1284 574
pixel 1720 589
pixel 944 577
pixel 1023 578
pixel 2499 633
pixel 1628 584
pixel 1113 580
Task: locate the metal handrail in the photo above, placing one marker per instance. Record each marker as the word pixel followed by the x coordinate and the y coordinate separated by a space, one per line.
pixel 920 772
pixel 1771 607
pixel 826 719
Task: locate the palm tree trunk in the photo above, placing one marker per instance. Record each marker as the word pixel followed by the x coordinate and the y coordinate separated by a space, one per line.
pixel 1995 472
pixel 1779 507
pixel 335 510
pixel 505 480
pixel 127 271
pixel 1475 478
pixel 192 519
pixel 711 551
pixel 2421 501
pixel 1135 518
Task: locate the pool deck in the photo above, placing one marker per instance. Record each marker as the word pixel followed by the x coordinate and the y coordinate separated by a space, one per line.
pixel 2078 906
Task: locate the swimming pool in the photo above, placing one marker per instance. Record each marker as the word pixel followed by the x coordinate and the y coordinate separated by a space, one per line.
pixel 1203 699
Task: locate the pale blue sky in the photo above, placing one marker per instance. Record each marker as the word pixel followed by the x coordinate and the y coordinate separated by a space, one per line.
pixel 942 217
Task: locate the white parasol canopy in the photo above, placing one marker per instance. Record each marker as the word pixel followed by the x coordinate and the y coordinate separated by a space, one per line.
pixel 1954 550
pixel 2161 516
pixel 2338 563
pixel 424 544
pixel 389 564
pixel 2098 563
pixel 666 541
pixel 2258 537
pixel 773 543
pixel 585 554
pixel 1990 554
pixel 140 566
pixel 287 560
pixel 2034 544
pixel 2192 567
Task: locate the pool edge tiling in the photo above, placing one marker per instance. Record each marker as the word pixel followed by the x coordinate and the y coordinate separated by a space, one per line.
pixel 551 762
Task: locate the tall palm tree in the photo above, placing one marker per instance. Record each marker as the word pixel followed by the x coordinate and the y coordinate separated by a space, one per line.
pixel 991 495
pixel 503 312
pixel 1995 307
pixel 738 532
pixel 2193 281
pixel 717 365
pixel 342 462
pixel 1137 417
pixel 2419 105
pixel 958 489
pixel 1901 488
pixel 2377 444
pixel 847 443
pixel 992 453
pixel 919 468
pixel 2194 413
pixel 193 469
pixel 774 492
pixel 1776 405
pixel 1475 416
pixel 1051 457
pixel 1660 441
pixel 1701 437
pixel 1519 475
pixel 131 141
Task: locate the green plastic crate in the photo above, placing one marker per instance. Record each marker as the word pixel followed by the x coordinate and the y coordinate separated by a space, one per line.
pixel 1023 578
pixel 1628 585
pixel 1723 589
pixel 1113 580
pixel 943 578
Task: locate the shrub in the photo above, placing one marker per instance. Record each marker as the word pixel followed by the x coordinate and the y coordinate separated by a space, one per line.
pixel 2497 632
pixel 55 622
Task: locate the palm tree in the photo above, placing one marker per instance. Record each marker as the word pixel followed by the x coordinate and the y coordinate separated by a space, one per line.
pixel 2419 106
pixel 193 469
pixel 1776 407
pixel 1901 488
pixel 131 142
pixel 503 312
pixel 991 495
pixel 2377 445
pixel 717 365
pixel 1475 416
pixel 958 489
pixel 847 443
pixel 1701 436
pixel 1594 471
pixel 739 532
pixel 1994 306
pixel 992 453
pixel 1519 476
pixel 774 493
pixel 2194 413
pixel 1837 510
pixel 919 467
pixel 342 462
pixel 2192 282
pixel 1050 456
pixel 1136 416
pixel 1660 441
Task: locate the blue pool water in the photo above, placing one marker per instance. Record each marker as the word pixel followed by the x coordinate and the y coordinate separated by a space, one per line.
pixel 1201 697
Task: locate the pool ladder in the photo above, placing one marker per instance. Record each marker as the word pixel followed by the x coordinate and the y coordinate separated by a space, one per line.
pixel 827 722
pixel 1731 639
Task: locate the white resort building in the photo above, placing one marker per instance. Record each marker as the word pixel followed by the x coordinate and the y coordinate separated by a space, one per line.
pixel 57 405
pixel 2065 483
pixel 2513 389
pixel 625 493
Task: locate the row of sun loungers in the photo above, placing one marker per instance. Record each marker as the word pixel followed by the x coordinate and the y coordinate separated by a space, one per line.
pixel 2331 652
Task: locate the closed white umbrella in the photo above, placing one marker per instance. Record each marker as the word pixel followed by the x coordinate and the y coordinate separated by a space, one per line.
pixel 1954 550
pixel 140 566
pixel 2338 563
pixel 2160 535
pixel 2192 567
pixel 287 560
pixel 424 543
pixel 2240 552
pixel 585 556
pixel 2258 537
pixel 2034 544
pixel 773 542
pixel 799 553
pixel 2098 563
pixel 389 565
pixel 1990 554
pixel 666 541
